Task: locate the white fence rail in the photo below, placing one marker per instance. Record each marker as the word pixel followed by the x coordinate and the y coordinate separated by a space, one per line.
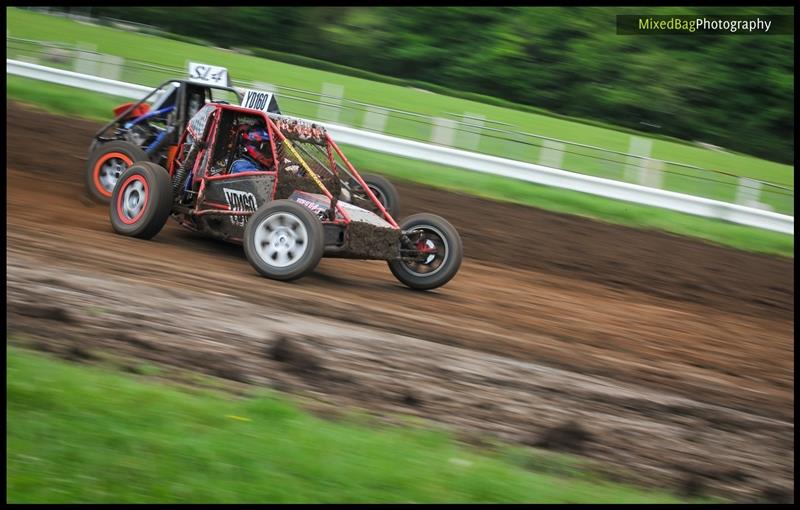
pixel 78 80
pixel 469 160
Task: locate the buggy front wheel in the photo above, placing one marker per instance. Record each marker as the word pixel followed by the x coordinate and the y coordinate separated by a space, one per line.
pixel 106 164
pixel 284 240
pixel 430 252
pixel 141 201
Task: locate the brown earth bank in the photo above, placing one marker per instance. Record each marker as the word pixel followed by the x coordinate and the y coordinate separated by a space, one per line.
pixel 633 434
pixel 699 326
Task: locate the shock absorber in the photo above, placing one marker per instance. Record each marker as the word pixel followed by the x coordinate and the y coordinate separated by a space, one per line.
pixel 180 173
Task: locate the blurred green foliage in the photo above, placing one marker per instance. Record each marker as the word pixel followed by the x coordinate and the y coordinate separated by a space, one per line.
pixel 736 91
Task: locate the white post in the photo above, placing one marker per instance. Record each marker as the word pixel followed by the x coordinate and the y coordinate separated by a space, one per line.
pixel 375 119
pixel 111 67
pixel 86 60
pixel 330 102
pixel 443 131
pixel 470 134
pixel 641 147
pixel 551 154
pixel 652 174
pixel 749 192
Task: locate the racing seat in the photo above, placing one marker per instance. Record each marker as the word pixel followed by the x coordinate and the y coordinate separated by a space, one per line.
pixel 252 150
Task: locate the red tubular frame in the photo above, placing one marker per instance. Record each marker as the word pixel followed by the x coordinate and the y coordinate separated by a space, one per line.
pixel 275 132
pixel 222 212
pixel 351 168
pixel 274 129
pixel 240 174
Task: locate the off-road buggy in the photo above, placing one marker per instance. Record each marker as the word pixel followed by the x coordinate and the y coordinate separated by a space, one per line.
pixel 149 129
pixel 308 203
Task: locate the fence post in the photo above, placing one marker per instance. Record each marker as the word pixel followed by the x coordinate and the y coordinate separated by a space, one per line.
pixel 652 174
pixel 551 154
pixel 375 119
pixel 634 168
pixel 749 192
pixel 111 67
pixel 86 59
pixel 443 131
pixel 470 136
pixel 332 94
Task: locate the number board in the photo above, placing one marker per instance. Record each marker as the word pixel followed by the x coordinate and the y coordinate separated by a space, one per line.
pixel 258 100
pixel 213 75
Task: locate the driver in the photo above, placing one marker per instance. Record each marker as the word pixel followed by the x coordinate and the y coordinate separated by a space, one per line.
pixel 254 152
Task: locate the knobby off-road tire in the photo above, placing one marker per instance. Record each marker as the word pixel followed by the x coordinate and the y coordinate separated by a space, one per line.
pixel 385 192
pixel 105 165
pixel 141 201
pixel 436 234
pixel 93 147
pixel 284 240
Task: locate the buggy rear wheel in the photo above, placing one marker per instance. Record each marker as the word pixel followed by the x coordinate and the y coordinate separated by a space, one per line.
pixel 106 164
pixel 432 254
pixel 284 240
pixel 141 201
pixel 385 192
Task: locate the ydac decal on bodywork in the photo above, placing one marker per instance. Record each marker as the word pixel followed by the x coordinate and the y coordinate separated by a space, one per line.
pixel 240 201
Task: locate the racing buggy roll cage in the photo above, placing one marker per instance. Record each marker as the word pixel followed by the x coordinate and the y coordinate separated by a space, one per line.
pixel 131 114
pixel 292 141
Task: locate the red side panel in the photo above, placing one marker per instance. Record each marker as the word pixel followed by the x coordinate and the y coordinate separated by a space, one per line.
pixel 136 112
pixel 171 153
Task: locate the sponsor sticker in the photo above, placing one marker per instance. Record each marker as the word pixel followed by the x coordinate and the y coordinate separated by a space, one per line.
pixel 315 207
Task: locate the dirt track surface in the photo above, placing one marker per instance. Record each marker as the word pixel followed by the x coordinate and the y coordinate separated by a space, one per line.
pixel 676 355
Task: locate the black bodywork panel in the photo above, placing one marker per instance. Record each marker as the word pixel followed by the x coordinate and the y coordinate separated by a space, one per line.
pixel 246 193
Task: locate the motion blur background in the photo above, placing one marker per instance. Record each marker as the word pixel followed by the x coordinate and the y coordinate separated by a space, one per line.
pixel 729 91
pixel 585 340
pixel 704 115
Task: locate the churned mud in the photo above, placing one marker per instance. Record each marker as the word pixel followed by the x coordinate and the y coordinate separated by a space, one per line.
pixel 664 355
pixel 656 437
pixel 363 240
